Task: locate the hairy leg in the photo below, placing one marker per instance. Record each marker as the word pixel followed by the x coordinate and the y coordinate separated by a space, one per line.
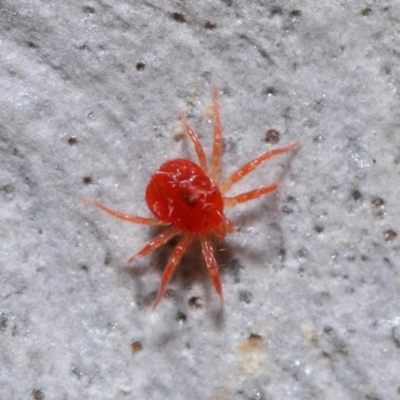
pixel 173 261
pixel 195 140
pixel 252 165
pixel 155 243
pixel 124 217
pixel 217 147
pixel 252 194
pixel 212 266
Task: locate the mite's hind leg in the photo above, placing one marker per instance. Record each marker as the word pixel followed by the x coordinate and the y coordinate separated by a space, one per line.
pixel 212 265
pixel 155 243
pixel 173 261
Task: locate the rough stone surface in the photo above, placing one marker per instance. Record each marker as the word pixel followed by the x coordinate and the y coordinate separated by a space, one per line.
pixel 90 98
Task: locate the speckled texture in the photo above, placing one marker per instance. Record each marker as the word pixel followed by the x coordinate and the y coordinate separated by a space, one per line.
pixel 90 99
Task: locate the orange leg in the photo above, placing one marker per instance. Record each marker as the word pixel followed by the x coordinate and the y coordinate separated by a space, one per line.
pixel 253 194
pixel 217 147
pixel 221 230
pixel 195 140
pixel 125 217
pixel 173 261
pixel 155 243
pixel 251 165
pixel 212 266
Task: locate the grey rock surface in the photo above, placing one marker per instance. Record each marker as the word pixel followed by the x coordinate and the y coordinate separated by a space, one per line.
pixel 90 98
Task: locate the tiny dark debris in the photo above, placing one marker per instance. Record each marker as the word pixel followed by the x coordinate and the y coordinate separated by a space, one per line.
pixel 234 268
pixel 325 354
pixel 136 346
pixel 303 253
pixel 140 66
pixel 107 259
pixel 338 344
pixel 318 105
pixel 245 296
pixel 8 188
pixel 89 9
pixel 209 25
pixel 275 11
pixel 318 228
pixel 377 202
pixel 32 45
pixel 388 262
pixel 378 205
pixel 295 13
pixel 366 11
pixel 84 268
pixel 195 302
pixel 281 253
pixel 254 338
pixel 286 209
pixel 76 372
pixel 356 194
pixel 328 329
pixel 270 91
pixel 87 180
pixel 178 17
pixel 253 345
pixel 37 394
pixel 318 139
pixel 272 136
pixel 372 396
pixel 3 322
pixel 389 235
pixel 72 141
pixel 181 317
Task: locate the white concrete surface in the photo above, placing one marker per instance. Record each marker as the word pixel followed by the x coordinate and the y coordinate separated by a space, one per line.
pixel 90 98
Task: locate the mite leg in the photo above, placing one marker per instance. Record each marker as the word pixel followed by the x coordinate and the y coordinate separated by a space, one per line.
pixel 226 227
pixel 253 194
pixel 173 261
pixel 195 140
pixel 212 266
pixel 125 217
pixel 252 165
pixel 155 243
pixel 217 147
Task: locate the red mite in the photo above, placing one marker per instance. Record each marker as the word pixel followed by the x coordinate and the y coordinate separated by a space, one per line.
pixel 189 198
